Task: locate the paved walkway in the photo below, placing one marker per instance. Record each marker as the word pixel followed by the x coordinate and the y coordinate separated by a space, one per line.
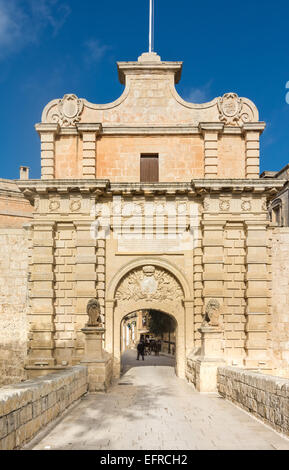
pixel 150 408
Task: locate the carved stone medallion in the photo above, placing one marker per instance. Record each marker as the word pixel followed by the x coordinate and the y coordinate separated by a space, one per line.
pixel 230 108
pixel 75 206
pixel 149 283
pixel 54 205
pixel 224 205
pixel 246 206
pixel 69 110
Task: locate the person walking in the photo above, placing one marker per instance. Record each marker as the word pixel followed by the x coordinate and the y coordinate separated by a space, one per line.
pixel 140 350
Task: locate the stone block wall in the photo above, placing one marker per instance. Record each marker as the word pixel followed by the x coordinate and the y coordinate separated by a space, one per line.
pixel 280 300
pixel 27 407
pixel 265 396
pixel 14 256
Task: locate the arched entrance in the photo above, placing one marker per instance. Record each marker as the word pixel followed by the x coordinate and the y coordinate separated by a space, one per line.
pixel 156 330
pixel 149 285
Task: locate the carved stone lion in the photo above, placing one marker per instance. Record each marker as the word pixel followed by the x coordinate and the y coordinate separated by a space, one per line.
pixel 93 312
pixel 212 313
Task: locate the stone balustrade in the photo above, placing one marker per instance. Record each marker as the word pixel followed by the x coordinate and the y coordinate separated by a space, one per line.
pixel 265 396
pixel 27 407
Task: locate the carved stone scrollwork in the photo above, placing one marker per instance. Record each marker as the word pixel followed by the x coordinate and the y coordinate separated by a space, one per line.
pixel 54 205
pixel 212 314
pixel 230 108
pixel 149 283
pixel 69 110
pixel 246 206
pixel 75 206
pixel 206 205
pixel 93 312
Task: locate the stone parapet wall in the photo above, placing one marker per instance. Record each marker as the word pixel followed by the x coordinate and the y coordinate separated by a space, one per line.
pixel 14 305
pixel 265 396
pixel 27 407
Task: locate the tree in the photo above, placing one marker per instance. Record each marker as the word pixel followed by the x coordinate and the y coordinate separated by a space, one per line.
pixel 160 323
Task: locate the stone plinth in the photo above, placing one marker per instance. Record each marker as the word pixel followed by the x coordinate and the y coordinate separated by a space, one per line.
pixel 211 342
pixel 210 359
pixel 203 368
pixel 97 361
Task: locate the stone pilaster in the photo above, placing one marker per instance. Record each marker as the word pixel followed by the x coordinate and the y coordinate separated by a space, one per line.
pixel 257 295
pixel 85 278
pixel 234 302
pixel 198 290
pixel 252 133
pixel 47 133
pixel 213 260
pixel 42 328
pixel 89 133
pixel 210 133
pixel 64 293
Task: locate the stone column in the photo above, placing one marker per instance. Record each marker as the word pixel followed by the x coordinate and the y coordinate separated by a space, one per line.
pixel 47 133
pixel 42 328
pixel 252 133
pixel 257 295
pixel 210 133
pixel 89 133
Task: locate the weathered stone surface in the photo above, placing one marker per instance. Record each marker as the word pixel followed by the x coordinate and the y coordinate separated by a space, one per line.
pixel 258 394
pixel 13 304
pixel 27 407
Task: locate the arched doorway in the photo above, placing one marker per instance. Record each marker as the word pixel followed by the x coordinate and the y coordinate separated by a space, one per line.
pixel 156 330
pixel 149 285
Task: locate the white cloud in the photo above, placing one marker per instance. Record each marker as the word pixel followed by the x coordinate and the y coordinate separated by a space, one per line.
pixel 94 51
pixel 198 94
pixel 23 21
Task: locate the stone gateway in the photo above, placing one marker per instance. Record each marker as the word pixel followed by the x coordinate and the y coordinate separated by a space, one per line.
pixel 148 202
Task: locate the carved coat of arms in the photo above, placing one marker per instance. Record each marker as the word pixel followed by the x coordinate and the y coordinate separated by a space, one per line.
pixel 149 283
pixel 230 108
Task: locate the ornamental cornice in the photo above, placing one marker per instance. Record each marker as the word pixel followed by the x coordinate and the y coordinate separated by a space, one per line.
pixel 200 187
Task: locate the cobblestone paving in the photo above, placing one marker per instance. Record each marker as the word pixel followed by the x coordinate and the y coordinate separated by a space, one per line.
pixel 150 408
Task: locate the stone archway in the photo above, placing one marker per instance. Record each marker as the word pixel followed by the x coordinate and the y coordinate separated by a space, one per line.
pixel 149 285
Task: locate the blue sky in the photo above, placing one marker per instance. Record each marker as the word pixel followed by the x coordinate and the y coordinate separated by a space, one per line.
pixel 52 47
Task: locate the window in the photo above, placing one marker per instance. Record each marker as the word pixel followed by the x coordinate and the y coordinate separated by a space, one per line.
pixel 149 168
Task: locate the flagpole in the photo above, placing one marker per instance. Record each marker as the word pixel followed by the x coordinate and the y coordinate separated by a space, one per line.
pixel 151 26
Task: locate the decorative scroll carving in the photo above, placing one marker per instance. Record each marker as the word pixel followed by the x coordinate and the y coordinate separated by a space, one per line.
pixel 206 205
pixel 149 283
pixel 265 206
pixel 246 206
pixel 54 205
pixel 93 312
pixel 69 110
pixel 212 314
pixel 232 110
pixel 75 206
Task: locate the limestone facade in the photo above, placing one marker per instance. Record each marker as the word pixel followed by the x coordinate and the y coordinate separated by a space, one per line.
pixel 208 158
pixel 278 208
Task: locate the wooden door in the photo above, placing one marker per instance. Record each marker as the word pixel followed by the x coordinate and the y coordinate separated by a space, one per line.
pixel 149 168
